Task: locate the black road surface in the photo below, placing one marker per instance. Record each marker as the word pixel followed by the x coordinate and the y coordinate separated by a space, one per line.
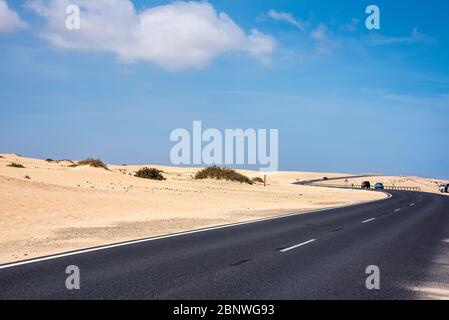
pixel 319 255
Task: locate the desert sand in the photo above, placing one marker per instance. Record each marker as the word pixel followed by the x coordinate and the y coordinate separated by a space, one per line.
pixel 50 207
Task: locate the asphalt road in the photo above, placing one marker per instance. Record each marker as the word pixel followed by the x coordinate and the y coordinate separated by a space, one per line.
pixel 320 255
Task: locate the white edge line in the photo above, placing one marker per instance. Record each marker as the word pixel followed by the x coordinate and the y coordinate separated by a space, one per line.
pixel 369 220
pixel 77 252
pixel 297 245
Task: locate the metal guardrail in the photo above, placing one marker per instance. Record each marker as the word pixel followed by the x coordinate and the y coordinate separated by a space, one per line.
pixel 402 188
pixel 356 186
pixel 305 182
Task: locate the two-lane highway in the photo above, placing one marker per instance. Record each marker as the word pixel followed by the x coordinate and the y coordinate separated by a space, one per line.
pixel 317 255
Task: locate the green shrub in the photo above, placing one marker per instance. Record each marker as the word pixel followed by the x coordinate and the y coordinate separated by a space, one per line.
pixel 257 179
pixel 150 173
pixel 96 163
pixel 222 174
pixel 15 165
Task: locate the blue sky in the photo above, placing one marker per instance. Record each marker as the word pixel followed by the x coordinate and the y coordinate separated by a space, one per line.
pixel 344 98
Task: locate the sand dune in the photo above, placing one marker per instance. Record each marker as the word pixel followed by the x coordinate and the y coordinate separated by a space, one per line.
pixel 50 207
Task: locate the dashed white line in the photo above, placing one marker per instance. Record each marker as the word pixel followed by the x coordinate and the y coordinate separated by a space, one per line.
pixel 397 210
pixel 369 220
pixel 412 204
pixel 298 245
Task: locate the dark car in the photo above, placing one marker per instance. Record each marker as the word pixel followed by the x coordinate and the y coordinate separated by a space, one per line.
pixel 379 186
pixel 444 188
pixel 366 185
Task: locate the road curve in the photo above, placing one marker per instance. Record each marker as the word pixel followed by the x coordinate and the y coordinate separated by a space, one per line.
pixel 320 255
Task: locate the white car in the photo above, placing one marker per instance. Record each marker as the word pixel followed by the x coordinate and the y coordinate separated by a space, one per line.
pixel 444 188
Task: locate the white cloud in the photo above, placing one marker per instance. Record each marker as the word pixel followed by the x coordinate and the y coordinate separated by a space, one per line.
pixel 177 36
pixel 320 33
pixel 325 42
pixel 351 26
pixel 323 39
pixel 286 17
pixel 9 19
pixel 414 37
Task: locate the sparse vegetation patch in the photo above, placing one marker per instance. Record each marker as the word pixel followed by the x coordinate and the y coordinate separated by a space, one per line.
pixel 50 160
pixel 95 163
pixel 15 165
pixel 218 173
pixel 150 173
pixel 257 180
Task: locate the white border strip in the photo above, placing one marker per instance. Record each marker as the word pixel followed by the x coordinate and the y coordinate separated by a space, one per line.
pixel 72 253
